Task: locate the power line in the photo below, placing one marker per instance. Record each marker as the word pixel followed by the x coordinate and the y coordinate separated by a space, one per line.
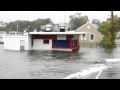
pixel 17 26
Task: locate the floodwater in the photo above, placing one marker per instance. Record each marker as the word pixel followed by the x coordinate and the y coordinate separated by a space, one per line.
pixel 58 64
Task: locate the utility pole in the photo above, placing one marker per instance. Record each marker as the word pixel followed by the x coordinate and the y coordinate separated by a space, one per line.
pixel 17 26
pixel 112 28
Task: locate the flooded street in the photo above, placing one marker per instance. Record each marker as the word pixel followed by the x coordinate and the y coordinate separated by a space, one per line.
pixel 83 64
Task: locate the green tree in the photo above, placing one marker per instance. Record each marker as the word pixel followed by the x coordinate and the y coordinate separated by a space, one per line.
pixel 117 23
pixel 30 25
pixel 105 29
pixel 96 21
pixel 2 28
pixel 22 25
pixel 36 24
pixel 106 42
pixel 77 20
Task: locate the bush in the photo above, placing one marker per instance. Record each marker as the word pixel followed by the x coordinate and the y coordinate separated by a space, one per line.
pixel 106 42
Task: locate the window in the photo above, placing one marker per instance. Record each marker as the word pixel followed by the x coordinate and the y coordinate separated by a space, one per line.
pixel 74 43
pixel 83 37
pixel 62 30
pixel 92 37
pixel 60 43
pixel 45 41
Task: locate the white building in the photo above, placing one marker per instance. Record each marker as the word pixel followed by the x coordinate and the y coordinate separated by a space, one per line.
pixel 63 41
pixel 1 36
pixel 16 42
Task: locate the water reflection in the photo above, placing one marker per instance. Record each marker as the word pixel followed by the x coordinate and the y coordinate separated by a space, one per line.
pixel 54 55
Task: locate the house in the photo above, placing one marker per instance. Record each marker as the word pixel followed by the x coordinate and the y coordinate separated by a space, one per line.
pixel 61 41
pixel 61 27
pixel 118 34
pixel 3 24
pixel 94 35
pixel 1 36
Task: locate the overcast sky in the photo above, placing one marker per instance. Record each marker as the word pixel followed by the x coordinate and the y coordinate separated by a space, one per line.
pixel 56 16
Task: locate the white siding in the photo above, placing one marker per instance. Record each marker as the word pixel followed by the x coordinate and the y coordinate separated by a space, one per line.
pixel 29 42
pixel 38 44
pixel 13 42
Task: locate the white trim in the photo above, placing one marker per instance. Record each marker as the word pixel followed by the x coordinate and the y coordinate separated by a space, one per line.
pixel 15 36
pixel 86 24
pixel 57 49
pixel 90 37
pixel 58 33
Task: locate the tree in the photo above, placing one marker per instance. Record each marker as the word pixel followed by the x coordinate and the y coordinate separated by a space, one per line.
pixel 105 29
pixel 2 28
pixel 23 25
pixel 96 21
pixel 36 24
pixel 77 20
pixel 117 23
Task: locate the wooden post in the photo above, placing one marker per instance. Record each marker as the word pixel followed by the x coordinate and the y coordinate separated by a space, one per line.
pixel 17 26
pixel 112 29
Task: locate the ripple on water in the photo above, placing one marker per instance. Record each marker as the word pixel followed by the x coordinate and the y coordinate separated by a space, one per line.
pixel 55 64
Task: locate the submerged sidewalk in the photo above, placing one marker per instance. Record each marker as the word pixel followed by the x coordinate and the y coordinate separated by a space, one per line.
pixel 110 73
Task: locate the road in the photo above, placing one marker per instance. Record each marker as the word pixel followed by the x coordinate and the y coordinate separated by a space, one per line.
pixel 110 73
